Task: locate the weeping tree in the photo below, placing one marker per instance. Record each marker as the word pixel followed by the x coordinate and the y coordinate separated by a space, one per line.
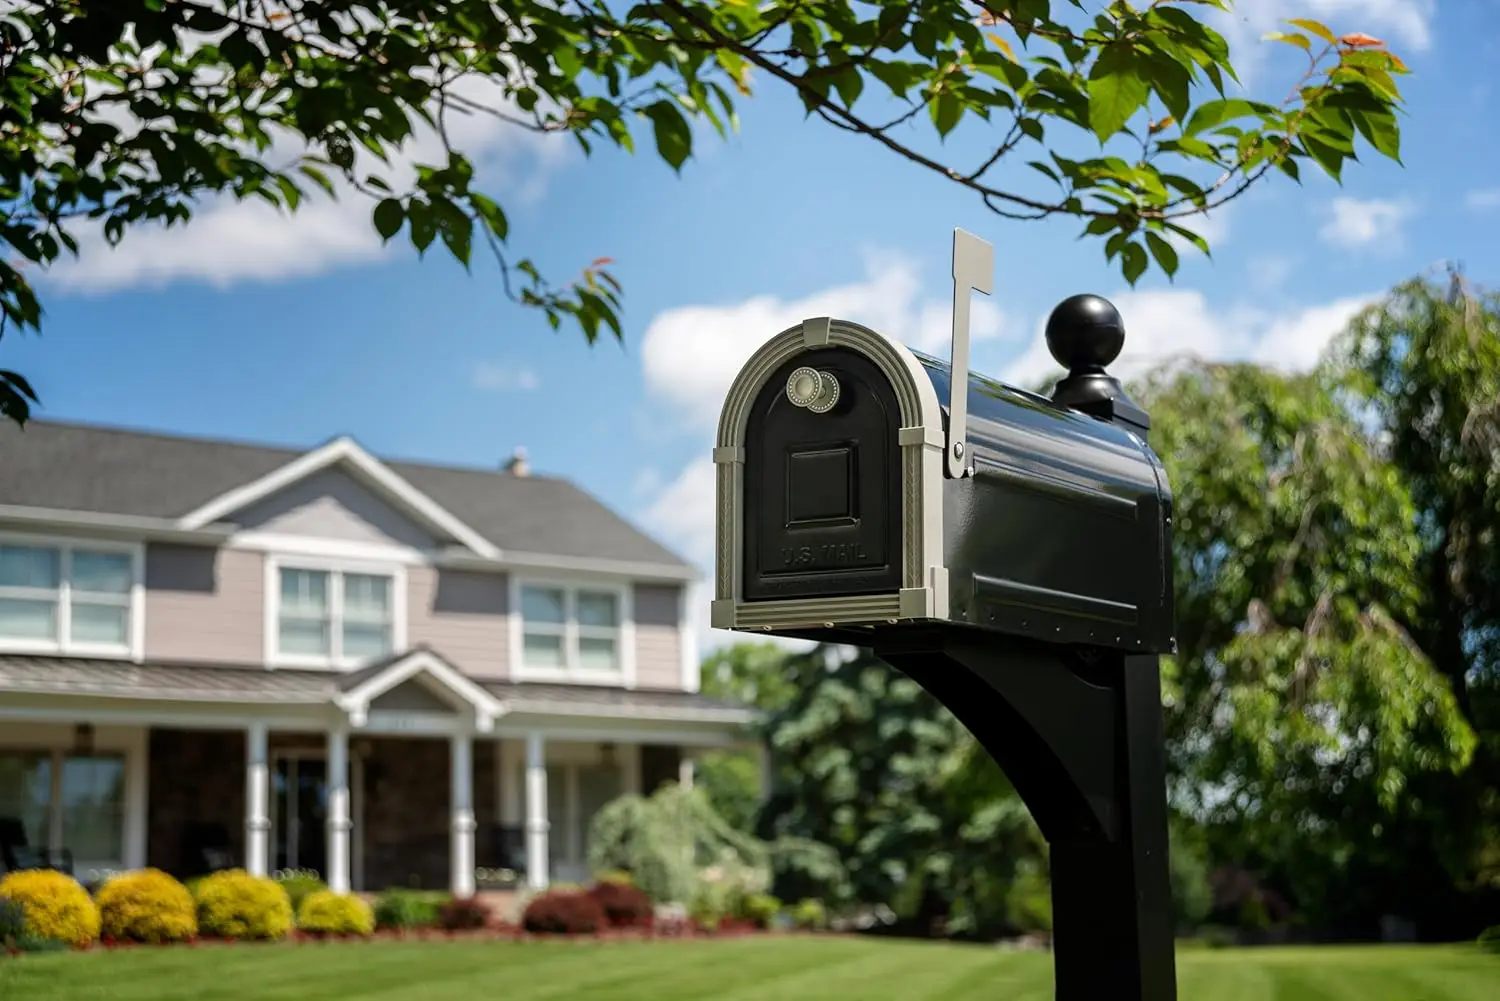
pixel 1305 709
pixel 674 844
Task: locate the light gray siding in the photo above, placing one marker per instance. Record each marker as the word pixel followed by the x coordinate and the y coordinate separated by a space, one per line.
pixel 331 504
pixel 658 642
pixel 464 616
pixel 411 696
pixel 205 604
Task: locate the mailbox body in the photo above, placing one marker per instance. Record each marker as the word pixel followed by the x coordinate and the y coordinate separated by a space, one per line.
pixel 838 523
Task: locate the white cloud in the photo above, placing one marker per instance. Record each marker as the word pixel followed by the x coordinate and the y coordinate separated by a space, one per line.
pixel 228 242
pixel 500 377
pixel 1399 23
pixel 1483 199
pixel 1354 223
pixel 1166 323
pixel 690 354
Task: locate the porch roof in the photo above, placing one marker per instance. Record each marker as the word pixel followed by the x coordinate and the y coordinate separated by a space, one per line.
pixel 251 684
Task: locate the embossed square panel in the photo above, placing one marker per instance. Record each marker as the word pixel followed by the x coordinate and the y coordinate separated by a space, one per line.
pixel 820 485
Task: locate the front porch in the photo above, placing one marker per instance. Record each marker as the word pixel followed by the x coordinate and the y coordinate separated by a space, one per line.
pixel 416 781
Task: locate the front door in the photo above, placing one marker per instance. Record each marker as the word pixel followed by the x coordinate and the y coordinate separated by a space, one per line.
pixel 300 814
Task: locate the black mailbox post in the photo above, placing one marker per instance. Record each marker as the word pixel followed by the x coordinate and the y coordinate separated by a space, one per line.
pixel 1009 552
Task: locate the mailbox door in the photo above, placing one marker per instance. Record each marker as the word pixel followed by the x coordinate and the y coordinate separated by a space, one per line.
pixel 822 492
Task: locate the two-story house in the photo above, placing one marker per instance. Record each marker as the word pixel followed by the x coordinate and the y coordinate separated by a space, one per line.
pixel 391 673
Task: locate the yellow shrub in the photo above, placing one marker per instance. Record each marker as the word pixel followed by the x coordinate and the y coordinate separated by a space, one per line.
pixel 329 913
pixel 146 906
pixel 235 904
pixel 57 907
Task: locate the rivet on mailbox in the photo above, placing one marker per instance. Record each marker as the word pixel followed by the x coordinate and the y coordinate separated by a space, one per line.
pixel 1009 551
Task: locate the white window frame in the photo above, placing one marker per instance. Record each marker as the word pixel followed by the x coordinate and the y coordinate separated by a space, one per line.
pixel 623 677
pixel 336 568
pixel 134 647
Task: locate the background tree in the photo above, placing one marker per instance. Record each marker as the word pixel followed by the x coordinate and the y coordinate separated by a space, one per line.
pixel 120 112
pixel 752 674
pixel 1305 714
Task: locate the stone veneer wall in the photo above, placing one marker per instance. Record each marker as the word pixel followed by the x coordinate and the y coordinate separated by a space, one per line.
pixel 407 818
pixel 196 776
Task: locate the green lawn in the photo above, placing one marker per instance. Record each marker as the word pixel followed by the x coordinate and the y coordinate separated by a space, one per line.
pixel 752 969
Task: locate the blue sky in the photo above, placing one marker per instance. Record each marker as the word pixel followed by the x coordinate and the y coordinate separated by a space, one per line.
pixel 295 330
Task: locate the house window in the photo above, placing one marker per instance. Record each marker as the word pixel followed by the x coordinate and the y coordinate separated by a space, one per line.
pixel 570 629
pixel 71 598
pixel 67 801
pixel 335 616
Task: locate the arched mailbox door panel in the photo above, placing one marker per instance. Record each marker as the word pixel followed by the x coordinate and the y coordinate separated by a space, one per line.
pixel 822 504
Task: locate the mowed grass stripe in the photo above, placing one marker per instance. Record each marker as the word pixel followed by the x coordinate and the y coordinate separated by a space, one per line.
pixel 754 969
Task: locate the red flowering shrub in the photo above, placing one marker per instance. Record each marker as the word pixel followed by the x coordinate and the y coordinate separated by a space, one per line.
pixel 464 914
pixel 564 913
pixel 625 906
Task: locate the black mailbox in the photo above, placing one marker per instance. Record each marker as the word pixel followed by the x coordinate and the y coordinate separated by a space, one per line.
pixel 838 512
pixel 1009 552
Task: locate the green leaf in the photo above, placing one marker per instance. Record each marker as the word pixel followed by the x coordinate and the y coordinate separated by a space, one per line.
pixel 388 217
pixel 423 226
pixel 1380 131
pixel 674 140
pixel 1116 90
pixel 1133 262
pixel 1313 27
pixel 946 112
pixel 1194 238
pixel 1216 112
pixel 1164 253
pixel 1291 38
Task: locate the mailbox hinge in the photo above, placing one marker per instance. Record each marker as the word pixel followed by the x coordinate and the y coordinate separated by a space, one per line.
pixel 973 268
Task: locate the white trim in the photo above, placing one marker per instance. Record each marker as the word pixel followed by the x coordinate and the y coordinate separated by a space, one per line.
pixel 691 667
pixel 328 549
pixel 133 528
pixel 336 567
pixel 341 450
pixel 508 562
pixel 134 647
pixel 486 707
pixel 624 633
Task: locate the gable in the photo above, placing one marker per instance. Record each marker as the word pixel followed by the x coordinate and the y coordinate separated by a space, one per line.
pixel 332 504
pixel 410 696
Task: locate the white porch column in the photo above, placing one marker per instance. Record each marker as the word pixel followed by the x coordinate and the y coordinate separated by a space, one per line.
pixel 257 800
pixel 537 825
pixel 338 809
pixel 461 802
pixel 685 767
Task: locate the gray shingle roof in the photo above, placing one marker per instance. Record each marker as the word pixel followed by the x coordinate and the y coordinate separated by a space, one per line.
pixel 76 467
pixel 217 683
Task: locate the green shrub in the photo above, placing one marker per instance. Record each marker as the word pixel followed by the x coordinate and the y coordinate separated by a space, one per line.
pixel 324 912
pixel 710 905
pixel 1028 900
pixel 760 909
pixel 146 906
pixel 1489 940
pixel 299 886
pixel 56 905
pixel 12 921
pixel 810 915
pixel 406 909
pixel 234 904
pixel 617 876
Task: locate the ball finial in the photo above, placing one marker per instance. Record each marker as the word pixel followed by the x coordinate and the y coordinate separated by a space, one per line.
pixel 1085 333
